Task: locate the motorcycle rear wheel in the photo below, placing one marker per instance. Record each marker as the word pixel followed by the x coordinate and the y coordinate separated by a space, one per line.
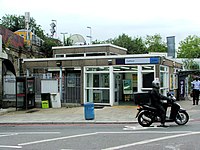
pixel 182 118
pixel 145 119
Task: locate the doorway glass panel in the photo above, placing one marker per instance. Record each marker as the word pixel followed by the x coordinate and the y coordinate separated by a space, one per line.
pixel 98 95
pixel 97 84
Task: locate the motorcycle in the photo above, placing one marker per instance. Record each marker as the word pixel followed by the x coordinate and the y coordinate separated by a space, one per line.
pixel 147 114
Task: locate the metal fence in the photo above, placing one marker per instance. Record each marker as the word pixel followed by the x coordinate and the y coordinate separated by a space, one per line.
pixel 71 89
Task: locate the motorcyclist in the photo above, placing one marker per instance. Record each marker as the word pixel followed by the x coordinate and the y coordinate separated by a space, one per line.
pixel 156 98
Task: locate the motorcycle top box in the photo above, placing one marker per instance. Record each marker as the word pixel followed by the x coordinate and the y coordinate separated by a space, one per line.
pixel 142 98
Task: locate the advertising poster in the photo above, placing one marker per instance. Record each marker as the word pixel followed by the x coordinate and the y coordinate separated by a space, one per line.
pixel 127 86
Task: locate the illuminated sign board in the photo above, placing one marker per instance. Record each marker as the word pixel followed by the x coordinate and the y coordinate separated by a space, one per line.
pixel 130 61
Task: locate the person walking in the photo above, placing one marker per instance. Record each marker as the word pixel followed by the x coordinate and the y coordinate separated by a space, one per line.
pixel 195 90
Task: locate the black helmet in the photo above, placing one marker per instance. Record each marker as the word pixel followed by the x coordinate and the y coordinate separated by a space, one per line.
pixel 156 84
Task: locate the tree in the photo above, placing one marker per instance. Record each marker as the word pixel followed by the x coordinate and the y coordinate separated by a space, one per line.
pixel 190 64
pixel 189 47
pixel 155 43
pixel 68 42
pixel 133 46
pixel 14 23
pixel 46 48
pixel 109 41
pixel 139 46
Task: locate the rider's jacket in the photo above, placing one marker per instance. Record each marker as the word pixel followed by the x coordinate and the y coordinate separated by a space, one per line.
pixel 156 97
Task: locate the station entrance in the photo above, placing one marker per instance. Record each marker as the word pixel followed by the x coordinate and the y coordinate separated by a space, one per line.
pixel 116 85
pixel 125 86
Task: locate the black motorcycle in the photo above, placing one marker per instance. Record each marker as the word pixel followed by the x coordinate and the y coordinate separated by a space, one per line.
pixel 147 114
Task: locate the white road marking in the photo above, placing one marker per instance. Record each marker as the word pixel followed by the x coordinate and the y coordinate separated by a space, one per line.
pixel 16 133
pixel 177 147
pixel 6 146
pixel 8 134
pixel 138 128
pixel 162 132
pixel 55 139
pixel 88 134
pixel 151 140
pixel 4 134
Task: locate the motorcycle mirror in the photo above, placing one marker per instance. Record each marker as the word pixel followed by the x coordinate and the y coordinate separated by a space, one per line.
pixel 168 94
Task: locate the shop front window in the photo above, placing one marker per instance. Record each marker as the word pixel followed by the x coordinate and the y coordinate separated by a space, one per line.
pixel 97 84
pixel 147 76
pixel 98 95
pixel 98 80
pixel 163 76
pixel 147 79
pixel 164 79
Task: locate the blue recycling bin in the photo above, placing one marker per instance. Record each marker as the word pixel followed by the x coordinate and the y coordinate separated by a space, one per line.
pixel 89 111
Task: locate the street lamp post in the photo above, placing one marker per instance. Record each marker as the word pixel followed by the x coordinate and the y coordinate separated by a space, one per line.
pixel 64 37
pixel 90 36
pixel 59 64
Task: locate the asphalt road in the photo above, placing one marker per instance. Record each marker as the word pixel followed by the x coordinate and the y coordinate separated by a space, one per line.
pixel 100 136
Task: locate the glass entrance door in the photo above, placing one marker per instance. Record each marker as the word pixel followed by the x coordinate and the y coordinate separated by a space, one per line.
pixel 125 86
pixel 118 87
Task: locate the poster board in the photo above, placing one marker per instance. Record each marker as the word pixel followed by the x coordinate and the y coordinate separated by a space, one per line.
pixel 49 86
pixel 127 87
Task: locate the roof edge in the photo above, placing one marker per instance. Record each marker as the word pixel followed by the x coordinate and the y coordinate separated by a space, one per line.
pixel 94 45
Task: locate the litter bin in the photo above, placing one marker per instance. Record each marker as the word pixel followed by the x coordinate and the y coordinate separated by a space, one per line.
pixel 45 104
pixel 46 97
pixel 89 111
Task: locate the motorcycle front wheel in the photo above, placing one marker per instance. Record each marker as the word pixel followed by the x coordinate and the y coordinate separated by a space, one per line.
pixel 182 118
pixel 145 119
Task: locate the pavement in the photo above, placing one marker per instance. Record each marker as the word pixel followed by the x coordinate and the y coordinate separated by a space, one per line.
pixel 116 114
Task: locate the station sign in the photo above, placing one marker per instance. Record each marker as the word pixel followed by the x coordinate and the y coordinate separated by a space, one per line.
pixel 130 61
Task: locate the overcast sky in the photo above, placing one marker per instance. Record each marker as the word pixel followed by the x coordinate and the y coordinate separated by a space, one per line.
pixel 111 18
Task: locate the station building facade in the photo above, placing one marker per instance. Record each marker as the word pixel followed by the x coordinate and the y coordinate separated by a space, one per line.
pixel 104 73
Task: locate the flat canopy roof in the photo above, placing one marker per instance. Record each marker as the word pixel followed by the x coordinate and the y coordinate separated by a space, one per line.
pixel 88 46
pixel 92 57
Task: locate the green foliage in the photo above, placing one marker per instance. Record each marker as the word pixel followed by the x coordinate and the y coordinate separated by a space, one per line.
pixel 109 41
pixel 14 23
pixel 133 45
pixel 137 45
pixel 68 42
pixel 190 64
pixel 190 47
pixel 46 48
pixel 155 43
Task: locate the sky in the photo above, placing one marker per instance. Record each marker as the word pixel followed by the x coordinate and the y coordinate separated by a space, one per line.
pixel 111 18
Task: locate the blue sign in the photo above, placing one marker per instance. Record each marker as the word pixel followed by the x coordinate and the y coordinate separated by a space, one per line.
pixel 130 61
pixel 154 60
